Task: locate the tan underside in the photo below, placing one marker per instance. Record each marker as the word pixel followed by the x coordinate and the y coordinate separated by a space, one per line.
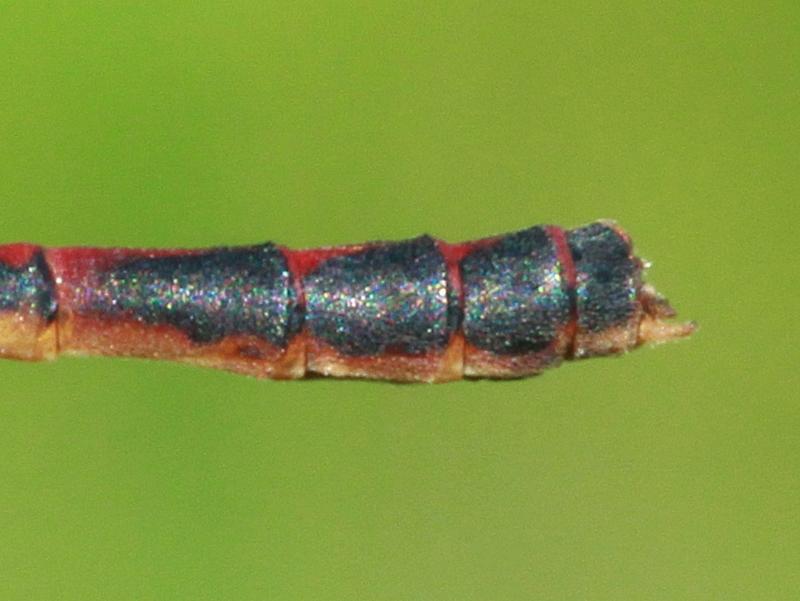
pixel 441 366
pixel 27 336
pixel 24 335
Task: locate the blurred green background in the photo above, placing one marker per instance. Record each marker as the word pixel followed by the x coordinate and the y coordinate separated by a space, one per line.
pixel 669 474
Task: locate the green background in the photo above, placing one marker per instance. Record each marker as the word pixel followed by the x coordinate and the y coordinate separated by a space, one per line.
pixel 669 474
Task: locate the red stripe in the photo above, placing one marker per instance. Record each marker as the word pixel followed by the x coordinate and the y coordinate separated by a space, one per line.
pixel 569 273
pixel 304 261
pixel 17 255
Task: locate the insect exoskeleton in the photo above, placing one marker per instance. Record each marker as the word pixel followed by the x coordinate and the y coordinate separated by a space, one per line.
pixel 414 310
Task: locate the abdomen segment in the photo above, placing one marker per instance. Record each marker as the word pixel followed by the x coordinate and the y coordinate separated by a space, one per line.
pixel 415 310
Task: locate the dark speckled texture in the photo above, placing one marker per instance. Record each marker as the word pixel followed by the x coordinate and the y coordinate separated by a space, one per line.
pixel 388 297
pixel 209 295
pixel 514 294
pixel 607 276
pixel 29 288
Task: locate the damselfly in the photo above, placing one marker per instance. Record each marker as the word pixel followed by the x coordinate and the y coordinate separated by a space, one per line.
pixel 414 310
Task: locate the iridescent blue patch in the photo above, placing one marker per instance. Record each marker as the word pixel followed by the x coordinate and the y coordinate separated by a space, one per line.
pixel 515 296
pixel 389 297
pixel 607 276
pixel 29 288
pixel 208 295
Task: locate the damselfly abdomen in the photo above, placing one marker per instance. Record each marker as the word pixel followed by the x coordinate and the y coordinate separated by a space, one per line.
pixel 415 310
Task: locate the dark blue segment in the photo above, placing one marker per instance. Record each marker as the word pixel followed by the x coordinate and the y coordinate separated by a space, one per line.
pixel 210 295
pixel 390 297
pixel 515 296
pixel 607 276
pixel 29 288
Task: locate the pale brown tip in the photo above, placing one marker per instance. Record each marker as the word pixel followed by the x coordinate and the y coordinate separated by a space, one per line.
pixel 654 327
